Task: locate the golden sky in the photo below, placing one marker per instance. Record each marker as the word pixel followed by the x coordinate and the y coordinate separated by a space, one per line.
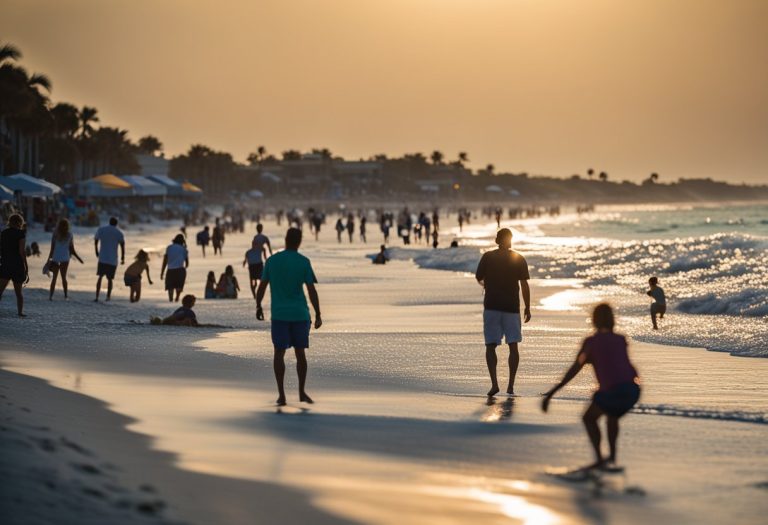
pixel 544 86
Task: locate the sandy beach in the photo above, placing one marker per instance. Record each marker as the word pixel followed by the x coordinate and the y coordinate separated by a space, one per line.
pixel 180 426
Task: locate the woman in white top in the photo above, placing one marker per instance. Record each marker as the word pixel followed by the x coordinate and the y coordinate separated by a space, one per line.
pixel 176 259
pixel 62 248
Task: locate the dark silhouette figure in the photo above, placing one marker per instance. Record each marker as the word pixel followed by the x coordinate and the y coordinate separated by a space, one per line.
pixel 288 272
pixel 381 257
pixel 659 304
pixel 619 383
pixel 503 273
pixel 13 259
pixel 110 238
pixel 204 238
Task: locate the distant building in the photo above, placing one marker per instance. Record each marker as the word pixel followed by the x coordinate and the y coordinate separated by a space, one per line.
pixel 153 165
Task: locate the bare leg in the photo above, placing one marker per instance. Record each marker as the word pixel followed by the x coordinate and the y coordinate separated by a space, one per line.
pixel 278 364
pixel 98 288
pixel 138 291
pixel 301 369
pixel 178 293
pixel 3 284
pixel 170 295
pixel 653 318
pixel 53 282
pixel 514 361
pixel 490 360
pixel 18 287
pixel 254 285
pixel 613 435
pixel 590 418
pixel 64 282
pixel 109 288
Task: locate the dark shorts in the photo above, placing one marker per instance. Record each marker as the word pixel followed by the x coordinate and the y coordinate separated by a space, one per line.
pixel 131 279
pixel 60 266
pixel 13 273
pixel 287 334
pixel 175 279
pixel 106 270
pixel 657 308
pixel 256 270
pixel 618 400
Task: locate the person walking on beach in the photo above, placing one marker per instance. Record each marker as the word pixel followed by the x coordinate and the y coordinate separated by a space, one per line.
pixel 659 304
pixel 62 249
pixel 217 239
pixel 176 259
pixel 204 238
pixel 260 241
pixel 13 259
pixel 363 222
pixel 110 238
pixel 351 226
pixel 339 229
pixel 619 388
pixel 503 273
pixel 288 272
pixel 132 276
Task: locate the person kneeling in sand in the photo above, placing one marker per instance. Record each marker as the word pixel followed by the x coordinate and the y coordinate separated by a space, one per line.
pixel 183 316
pixel 619 388
pixel 382 257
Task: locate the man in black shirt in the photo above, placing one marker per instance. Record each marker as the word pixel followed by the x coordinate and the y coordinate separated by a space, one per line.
pixel 499 272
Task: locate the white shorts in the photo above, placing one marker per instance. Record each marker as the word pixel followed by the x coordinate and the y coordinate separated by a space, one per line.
pixel 497 324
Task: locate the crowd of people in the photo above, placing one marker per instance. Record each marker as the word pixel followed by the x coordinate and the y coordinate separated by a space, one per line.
pixel 503 273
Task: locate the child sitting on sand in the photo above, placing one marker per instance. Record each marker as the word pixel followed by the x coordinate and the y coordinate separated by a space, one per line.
pixel 659 304
pixel 183 316
pixel 210 286
pixel 619 387
pixel 132 277
pixel 382 257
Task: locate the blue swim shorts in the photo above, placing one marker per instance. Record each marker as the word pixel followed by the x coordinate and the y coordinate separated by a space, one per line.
pixel 287 334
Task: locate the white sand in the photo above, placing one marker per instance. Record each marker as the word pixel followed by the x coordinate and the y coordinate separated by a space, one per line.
pixel 401 432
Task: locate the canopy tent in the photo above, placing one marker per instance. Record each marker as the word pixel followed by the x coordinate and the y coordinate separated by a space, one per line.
pixel 173 188
pixel 271 177
pixel 30 186
pixel 6 194
pixel 144 186
pixel 106 185
pixel 191 190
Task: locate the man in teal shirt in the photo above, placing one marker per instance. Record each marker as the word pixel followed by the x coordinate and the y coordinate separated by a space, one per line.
pixel 288 271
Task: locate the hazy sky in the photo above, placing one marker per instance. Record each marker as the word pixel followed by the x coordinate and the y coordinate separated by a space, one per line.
pixel 544 86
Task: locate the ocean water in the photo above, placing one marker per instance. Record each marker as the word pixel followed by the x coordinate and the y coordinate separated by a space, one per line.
pixel 711 261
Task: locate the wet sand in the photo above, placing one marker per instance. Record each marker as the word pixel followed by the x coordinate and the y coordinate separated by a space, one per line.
pixel 401 432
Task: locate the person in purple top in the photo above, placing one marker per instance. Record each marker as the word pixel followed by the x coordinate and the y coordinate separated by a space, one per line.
pixel 619 388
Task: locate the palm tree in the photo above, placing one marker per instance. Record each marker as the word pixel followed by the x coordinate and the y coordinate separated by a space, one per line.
pixel 24 115
pixel 654 177
pixel 261 151
pixel 490 168
pixel 291 154
pixel 88 116
pixel 463 158
pixel 590 173
pixel 436 157
pixel 603 176
pixel 150 145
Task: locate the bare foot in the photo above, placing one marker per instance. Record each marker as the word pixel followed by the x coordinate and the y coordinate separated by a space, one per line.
pixel 493 391
pixel 96 300
pixel 304 398
pixel 281 401
pixel 22 315
pixel 511 390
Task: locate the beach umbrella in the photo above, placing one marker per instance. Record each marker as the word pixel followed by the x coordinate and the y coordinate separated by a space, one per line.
pixel 106 185
pixel 6 194
pixel 145 187
pixel 30 186
pixel 493 189
pixel 174 188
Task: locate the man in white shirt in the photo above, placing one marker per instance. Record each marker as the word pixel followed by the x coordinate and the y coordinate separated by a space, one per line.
pixel 176 259
pixel 110 238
